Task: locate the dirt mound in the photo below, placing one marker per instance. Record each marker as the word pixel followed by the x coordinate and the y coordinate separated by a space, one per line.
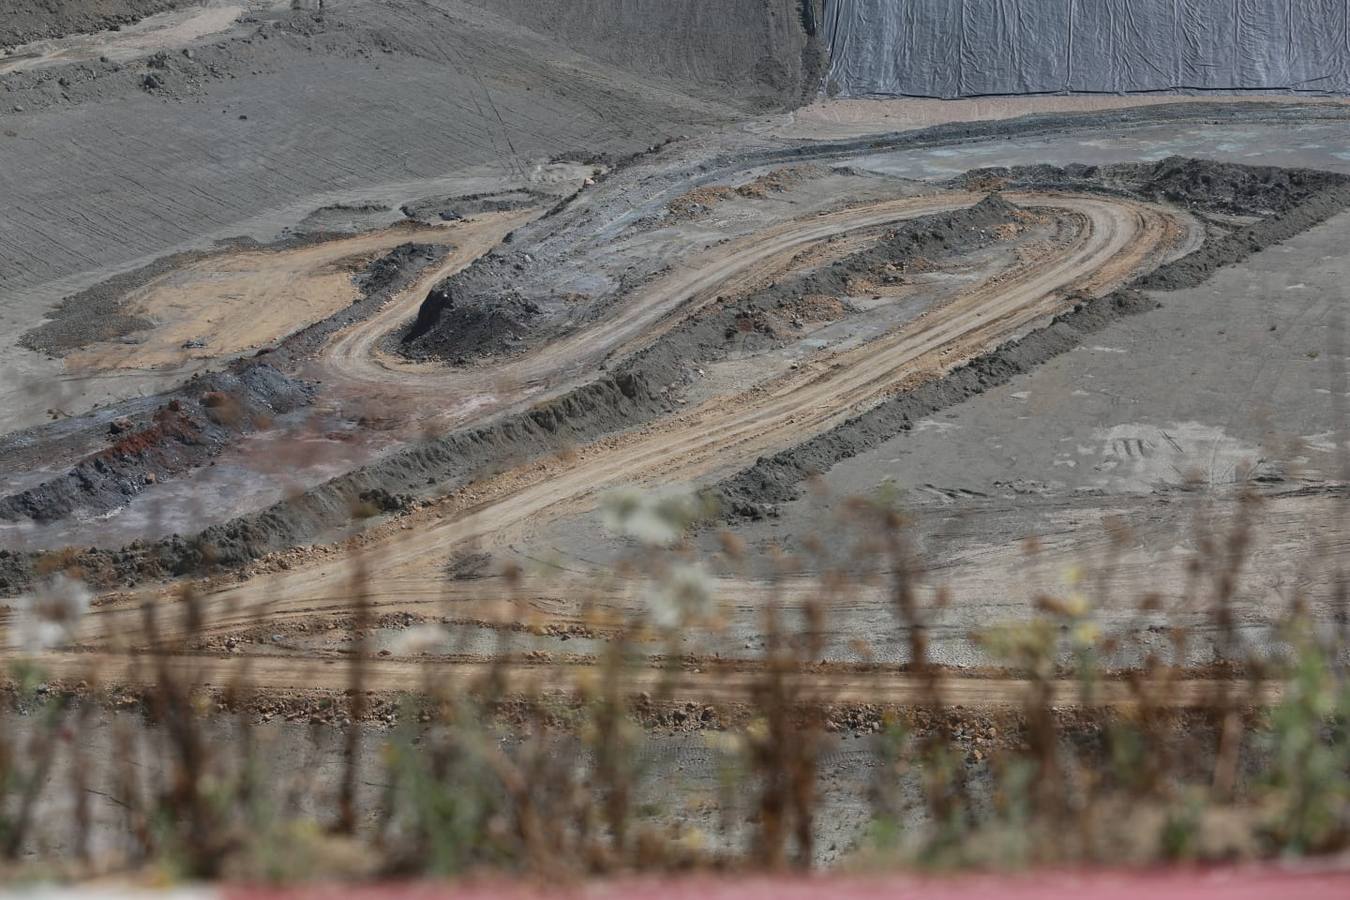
pixel 1230 188
pixel 32 20
pixel 191 426
pixel 702 199
pixel 469 330
pixel 1219 187
pixel 699 201
pixel 461 206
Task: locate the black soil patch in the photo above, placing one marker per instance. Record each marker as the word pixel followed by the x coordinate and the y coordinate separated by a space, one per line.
pixel 477 330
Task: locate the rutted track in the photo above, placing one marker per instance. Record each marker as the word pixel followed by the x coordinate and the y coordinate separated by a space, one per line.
pixel 723 684
pixel 353 357
pixel 1113 241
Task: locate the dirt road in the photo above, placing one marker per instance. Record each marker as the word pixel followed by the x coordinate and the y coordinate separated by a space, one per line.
pixel 403 559
pixel 162 31
pixel 353 359
pixel 719 685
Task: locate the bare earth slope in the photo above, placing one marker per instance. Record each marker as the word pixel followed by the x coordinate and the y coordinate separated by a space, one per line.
pixel 30 20
pixel 645 351
pixel 106 166
pixel 762 50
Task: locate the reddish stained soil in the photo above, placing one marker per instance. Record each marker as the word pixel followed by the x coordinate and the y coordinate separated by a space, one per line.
pixel 169 424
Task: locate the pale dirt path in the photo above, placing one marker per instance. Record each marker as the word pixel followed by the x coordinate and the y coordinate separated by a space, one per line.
pixel 403 559
pixel 353 361
pixel 1295 543
pixel 720 685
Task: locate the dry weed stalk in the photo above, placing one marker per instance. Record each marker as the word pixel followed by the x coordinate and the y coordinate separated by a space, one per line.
pixel 511 772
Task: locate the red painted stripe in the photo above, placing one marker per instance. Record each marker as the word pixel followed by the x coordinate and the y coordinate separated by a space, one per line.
pixel 1228 883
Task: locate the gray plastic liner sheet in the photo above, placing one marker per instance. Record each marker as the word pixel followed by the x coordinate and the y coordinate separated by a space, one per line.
pixel 966 48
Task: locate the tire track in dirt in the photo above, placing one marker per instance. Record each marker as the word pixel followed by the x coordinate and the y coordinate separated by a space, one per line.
pixel 403 559
pixel 718 685
pixel 354 361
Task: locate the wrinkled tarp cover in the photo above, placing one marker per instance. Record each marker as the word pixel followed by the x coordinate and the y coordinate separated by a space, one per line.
pixel 964 48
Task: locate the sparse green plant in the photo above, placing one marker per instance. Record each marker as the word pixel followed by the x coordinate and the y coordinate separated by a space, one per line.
pixel 1309 747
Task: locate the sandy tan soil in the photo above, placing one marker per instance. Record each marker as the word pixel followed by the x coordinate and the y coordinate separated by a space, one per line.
pixel 1111 240
pixel 720 685
pixel 241 301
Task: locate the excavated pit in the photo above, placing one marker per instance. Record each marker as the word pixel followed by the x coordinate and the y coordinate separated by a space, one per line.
pixel 646 386
pixel 599 244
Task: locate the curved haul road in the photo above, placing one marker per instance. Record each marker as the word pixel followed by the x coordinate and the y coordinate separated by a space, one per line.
pixel 455 396
pixel 402 560
pixel 353 356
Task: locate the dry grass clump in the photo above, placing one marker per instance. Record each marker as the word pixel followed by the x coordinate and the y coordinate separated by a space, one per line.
pixel 557 782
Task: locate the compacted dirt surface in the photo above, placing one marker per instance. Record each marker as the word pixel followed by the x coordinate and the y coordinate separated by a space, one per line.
pixel 332 334
pixel 381 300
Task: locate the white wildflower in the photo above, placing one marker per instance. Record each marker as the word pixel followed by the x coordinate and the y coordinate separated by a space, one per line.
pixel 653 521
pixel 684 595
pixel 1077 605
pixel 1086 634
pixel 421 639
pixel 50 615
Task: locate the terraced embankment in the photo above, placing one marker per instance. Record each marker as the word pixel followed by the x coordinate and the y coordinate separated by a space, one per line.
pixel 1110 241
pixel 606 385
